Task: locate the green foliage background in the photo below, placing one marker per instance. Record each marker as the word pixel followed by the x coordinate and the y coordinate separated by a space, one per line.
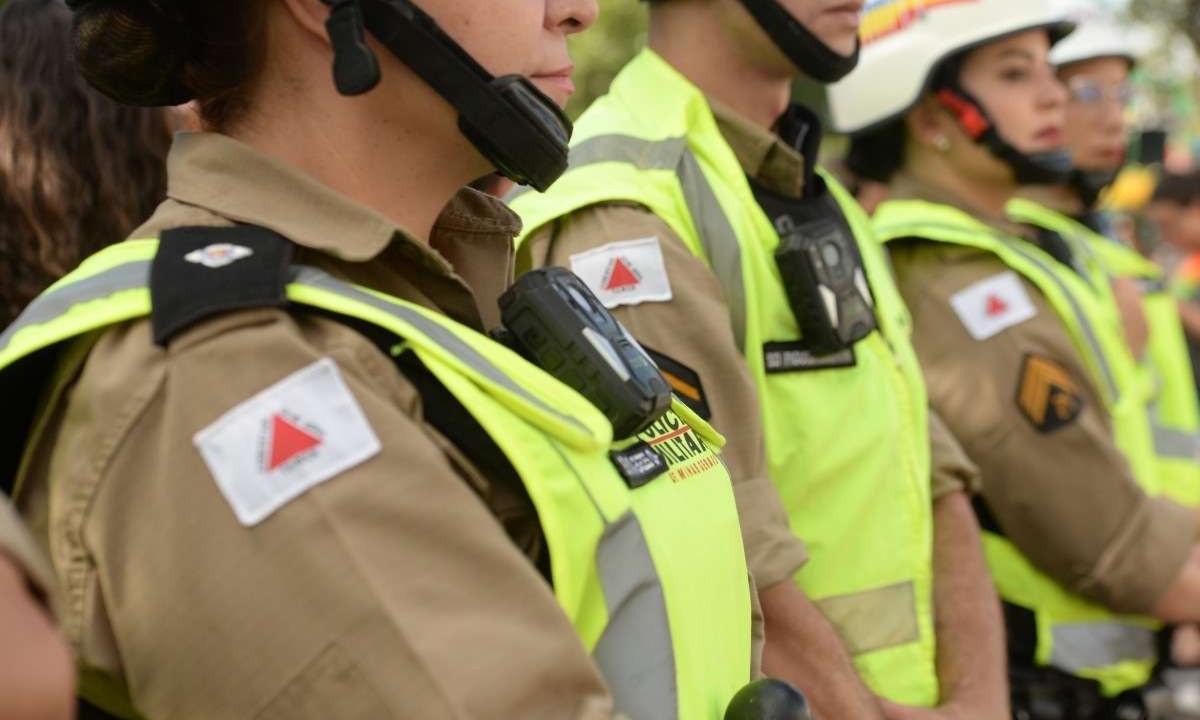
pixel 599 53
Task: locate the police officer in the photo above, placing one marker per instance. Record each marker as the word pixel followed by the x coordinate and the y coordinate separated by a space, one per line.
pixel 1094 63
pixel 693 208
pixel 281 471
pixel 958 108
pixel 36 678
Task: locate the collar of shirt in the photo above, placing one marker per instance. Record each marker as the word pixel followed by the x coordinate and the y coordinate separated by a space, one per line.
pixel 906 187
pixel 469 254
pixel 764 156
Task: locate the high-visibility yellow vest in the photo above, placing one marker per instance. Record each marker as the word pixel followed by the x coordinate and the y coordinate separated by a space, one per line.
pixel 653 579
pixel 847 447
pixel 1165 376
pixel 1073 634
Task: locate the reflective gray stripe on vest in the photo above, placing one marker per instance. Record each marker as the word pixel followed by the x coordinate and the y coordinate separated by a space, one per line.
pixel 52 305
pixel 1089 333
pixel 312 277
pixel 134 275
pixel 1175 444
pixel 635 653
pixel 716 233
pixel 1080 646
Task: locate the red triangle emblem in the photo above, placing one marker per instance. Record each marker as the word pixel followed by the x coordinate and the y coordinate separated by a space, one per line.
pixel 996 306
pixel 287 441
pixel 621 276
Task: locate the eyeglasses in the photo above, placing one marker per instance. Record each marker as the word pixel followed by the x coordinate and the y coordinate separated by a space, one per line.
pixel 1092 94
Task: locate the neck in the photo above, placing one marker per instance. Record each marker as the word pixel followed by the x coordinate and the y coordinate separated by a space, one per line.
pixel 983 197
pixel 1061 198
pixel 702 49
pixel 404 165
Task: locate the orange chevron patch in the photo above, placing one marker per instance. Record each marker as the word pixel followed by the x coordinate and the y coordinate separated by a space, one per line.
pixel 1047 395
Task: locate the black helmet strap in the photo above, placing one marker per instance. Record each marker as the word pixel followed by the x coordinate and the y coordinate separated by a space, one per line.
pixel 1048 168
pixel 512 123
pixel 807 52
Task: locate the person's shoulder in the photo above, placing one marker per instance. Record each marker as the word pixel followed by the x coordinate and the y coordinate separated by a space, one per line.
pixel 938 270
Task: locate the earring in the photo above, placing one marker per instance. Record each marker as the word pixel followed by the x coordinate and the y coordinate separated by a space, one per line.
pixel 941 143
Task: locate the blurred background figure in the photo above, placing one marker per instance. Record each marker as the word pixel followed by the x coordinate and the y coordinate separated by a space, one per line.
pixel 36 674
pixel 77 171
pixel 1174 210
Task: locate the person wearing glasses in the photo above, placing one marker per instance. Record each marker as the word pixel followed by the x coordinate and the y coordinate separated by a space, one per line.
pixel 1023 358
pixel 1094 64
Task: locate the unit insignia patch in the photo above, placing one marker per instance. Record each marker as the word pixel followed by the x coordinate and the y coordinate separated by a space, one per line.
pixel 684 382
pixel 300 432
pixel 625 273
pixel 1047 395
pixel 993 305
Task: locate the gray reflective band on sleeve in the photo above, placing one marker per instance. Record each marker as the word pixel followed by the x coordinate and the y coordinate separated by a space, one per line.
pixel 915 230
pixel 716 232
pixel 312 277
pixel 56 303
pixel 1090 645
pixel 1176 444
pixel 635 654
pixel 134 275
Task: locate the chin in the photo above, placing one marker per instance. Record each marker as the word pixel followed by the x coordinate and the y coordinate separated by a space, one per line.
pixel 844 45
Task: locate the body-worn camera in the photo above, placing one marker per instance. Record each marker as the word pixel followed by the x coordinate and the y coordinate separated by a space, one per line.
pixel 552 318
pixel 821 268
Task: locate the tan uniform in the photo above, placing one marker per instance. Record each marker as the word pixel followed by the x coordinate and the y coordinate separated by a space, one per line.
pixel 1066 497
pixel 18 546
pixel 693 329
pixel 404 587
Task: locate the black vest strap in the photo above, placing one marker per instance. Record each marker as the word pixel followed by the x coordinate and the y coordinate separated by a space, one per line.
pixel 200 272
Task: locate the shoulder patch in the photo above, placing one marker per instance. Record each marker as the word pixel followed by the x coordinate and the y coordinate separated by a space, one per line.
pixel 287 439
pixel 991 306
pixel 625 273
pixel 684 382
pixel 1047 395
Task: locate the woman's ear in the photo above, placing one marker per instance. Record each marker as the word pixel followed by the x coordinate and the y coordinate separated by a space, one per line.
pixel 309 15
pixel 930 125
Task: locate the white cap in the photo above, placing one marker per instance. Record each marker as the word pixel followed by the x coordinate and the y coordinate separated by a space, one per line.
pixel 1096 35
pixel 904 40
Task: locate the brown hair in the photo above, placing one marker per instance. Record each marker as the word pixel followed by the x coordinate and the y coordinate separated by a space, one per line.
pixel 77 171
pixel 166 52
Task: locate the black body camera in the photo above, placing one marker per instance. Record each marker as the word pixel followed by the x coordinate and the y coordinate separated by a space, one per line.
pixel 552 318
pixel 821 268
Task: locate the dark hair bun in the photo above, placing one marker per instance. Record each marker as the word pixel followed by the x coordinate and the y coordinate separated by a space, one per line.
pixel 133 51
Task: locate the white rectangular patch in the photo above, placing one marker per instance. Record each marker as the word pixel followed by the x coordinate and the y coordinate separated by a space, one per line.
pixel 296 434
pixel 625 273
pixel 993 305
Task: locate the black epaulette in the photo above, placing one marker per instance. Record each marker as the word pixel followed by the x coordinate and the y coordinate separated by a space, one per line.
pixel 201 272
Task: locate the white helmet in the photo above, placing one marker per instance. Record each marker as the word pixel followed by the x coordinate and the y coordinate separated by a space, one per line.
pixel 1097 36
pixel 904 40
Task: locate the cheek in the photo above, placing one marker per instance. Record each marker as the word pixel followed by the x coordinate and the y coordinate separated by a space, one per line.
pixel 505 40
pixel 1015 115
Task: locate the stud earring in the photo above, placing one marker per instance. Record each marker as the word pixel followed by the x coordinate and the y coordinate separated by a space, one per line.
pixel 941 143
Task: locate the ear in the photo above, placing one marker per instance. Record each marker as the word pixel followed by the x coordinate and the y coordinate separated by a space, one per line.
pixel 310 15
pixel 929 124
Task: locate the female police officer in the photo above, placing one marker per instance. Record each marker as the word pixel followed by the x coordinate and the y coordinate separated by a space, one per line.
pixel 279 470
pixel 1023 359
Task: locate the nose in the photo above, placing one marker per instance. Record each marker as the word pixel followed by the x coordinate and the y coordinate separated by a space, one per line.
pixel 1052 94
pixel 571 16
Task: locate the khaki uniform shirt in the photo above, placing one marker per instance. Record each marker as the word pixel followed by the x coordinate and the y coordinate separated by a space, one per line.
pixel 693 329
pixel 18 545
pixel 404 587
pixel 1064 495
